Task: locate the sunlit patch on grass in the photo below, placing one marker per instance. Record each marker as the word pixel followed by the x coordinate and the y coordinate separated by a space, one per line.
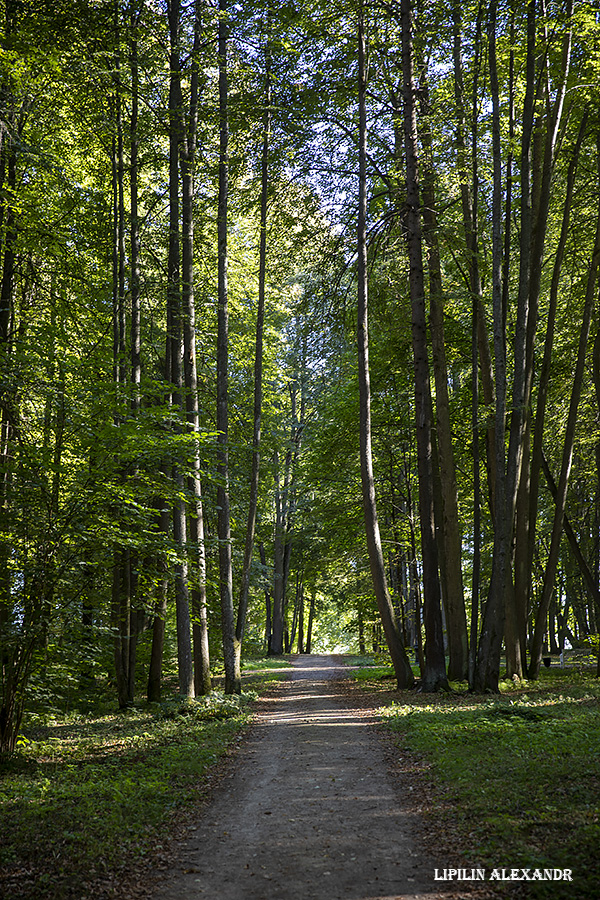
pixel 518 773
pixel 85 793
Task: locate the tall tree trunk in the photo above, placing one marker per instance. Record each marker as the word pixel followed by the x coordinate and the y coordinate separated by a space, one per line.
pixel 567 454
pixel 434 676
pixel 8 175
pixel 182 599
pixel 454 598
pixel 469 188
pixel 202 677
pixel 136 614
pixel 258 359
pixel 486 675
pixel 136 340
pixel 393 636
pixel 468 161
pixel 516 593
pixel 230 658
pixel 527 506
pixel 121 584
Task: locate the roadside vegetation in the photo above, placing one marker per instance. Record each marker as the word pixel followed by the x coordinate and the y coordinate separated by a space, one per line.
pixel 90 792
pixel 513 778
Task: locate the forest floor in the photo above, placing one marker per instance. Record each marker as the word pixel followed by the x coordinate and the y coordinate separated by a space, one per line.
pixel 321 782
pixel 314 806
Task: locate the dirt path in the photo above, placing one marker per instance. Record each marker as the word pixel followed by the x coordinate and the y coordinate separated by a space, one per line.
pixel 310 812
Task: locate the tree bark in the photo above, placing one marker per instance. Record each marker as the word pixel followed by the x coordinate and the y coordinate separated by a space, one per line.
pixel 527 503
pixel 258 359
pixel 469 188
pixel 434 676
pixel 486 675
pixel 400 660
pixel 201 655
pixel 121 585
pixel 311 619
pixel 268 602
pixel 230 657
pixel 454 599
pixel 567 454
pixel 276 645
pixel 160 609
pixel 182 599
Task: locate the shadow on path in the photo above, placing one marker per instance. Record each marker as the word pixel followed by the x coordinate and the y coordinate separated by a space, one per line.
pixel 309 813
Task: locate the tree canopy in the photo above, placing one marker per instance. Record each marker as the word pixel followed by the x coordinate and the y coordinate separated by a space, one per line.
pixel 207 447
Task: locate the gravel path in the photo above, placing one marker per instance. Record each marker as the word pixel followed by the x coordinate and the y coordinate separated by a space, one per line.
pixel 309 812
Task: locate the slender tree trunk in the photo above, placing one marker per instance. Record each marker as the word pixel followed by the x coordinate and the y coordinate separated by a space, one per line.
pixel 268 602
pixel 7 162
pixel 258 360
pixel 486 675
pixel 516 593
pixel 434 676
pixel 297 601
pixel 10 235
pixel 311 619
pixel 469 189
pixel 567 455
pixel 201 655
pixel 121 596
pixel 454 599
pixel 300 607
pixel 182 599
pixel 230 657
pixel 400 660
pixel 136 615
pixel 469 198
pixel 526 560
pixel 529 481
pixel 160 610
pixel 276 646
pixel 136 340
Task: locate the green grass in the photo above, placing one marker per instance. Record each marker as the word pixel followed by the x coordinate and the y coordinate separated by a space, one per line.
pixel 517 776
pixel 257 664
pixel 85 794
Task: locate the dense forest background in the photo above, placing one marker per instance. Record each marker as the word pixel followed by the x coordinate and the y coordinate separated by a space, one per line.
pixel 199 202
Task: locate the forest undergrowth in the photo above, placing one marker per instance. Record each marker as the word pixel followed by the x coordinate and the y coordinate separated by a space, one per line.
pixel 512 779
pixel 502 781
pixel 91 792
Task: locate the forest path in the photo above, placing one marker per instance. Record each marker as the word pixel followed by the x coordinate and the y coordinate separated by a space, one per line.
pixel 309 812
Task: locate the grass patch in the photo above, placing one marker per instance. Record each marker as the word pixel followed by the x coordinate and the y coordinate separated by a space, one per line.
pixel 517 775
pixel 263 663
pixel 85 793
pixel 375 671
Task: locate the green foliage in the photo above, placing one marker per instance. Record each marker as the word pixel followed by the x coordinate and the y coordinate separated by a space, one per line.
pixel 85 795
pixel 515 774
